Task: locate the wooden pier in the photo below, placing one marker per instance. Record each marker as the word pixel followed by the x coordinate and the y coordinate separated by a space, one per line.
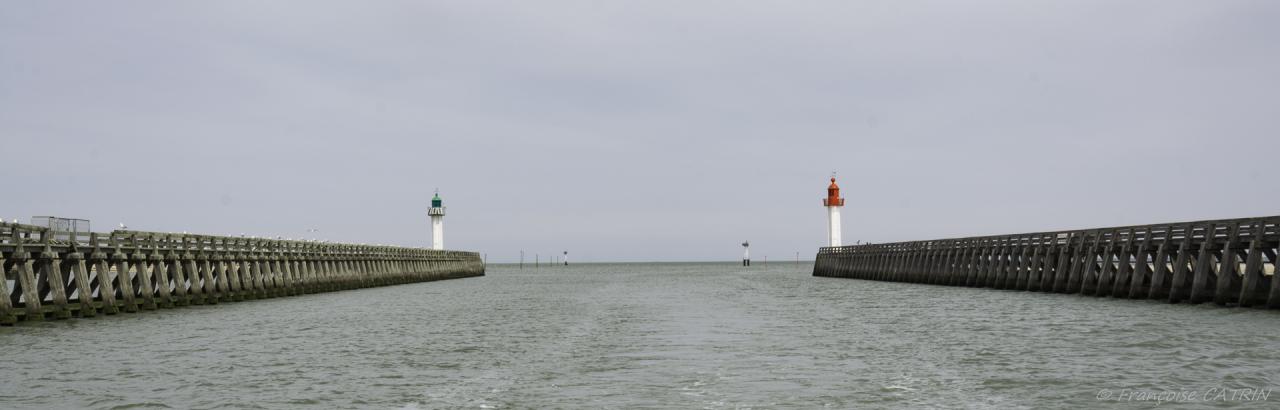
pixel 47 277
pixel 1228 262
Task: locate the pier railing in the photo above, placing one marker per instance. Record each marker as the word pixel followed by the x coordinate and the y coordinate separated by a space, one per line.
pixel 1228 262
pixel 45 277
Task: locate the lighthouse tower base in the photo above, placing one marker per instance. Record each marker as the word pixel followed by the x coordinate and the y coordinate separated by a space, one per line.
pixel 437 232
pixel 833 226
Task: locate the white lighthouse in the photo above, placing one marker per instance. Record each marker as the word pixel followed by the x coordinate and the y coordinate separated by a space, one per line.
pixel 833 202
pixel 746 253
pixel 437 222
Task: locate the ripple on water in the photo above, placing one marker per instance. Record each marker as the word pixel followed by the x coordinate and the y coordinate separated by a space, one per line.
pixel 142 405
pixel 640 335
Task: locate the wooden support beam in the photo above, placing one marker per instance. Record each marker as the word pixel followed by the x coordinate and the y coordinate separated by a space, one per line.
pixel 1254 284
pixel 1106 277
pixel 7 316
pixel 1226 288
pixel 1180 287
pixel 1161 275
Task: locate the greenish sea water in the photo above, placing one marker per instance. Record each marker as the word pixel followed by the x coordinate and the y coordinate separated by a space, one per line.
pixel 658 335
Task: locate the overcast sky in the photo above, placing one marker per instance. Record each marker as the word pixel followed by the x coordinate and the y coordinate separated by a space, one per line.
pixel 638 131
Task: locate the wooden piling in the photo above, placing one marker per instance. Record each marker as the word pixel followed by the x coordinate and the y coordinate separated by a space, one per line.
pixel 84 291
pixel 103 278
pixel 122 278
pixel 1140 280
pixel 1179 288
pixel 1124 272
pixel 1254 284
pixel 7 317
pixel 1161 275
pixel 1107 275
pixel 52 282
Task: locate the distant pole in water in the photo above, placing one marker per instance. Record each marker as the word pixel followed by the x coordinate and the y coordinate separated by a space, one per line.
pixel 797 258
pixel 746 253
pixel 521 259
pixel 437 222
pixel 536 260
pixel 566 258
pixel 833 202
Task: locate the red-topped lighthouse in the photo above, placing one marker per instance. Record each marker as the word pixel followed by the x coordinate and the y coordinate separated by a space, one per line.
pixel 833 202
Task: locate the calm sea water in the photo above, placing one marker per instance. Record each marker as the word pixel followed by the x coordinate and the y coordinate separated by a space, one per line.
pixel 647 335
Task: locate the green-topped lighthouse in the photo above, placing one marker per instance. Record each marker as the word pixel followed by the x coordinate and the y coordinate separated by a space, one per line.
pixel 437 221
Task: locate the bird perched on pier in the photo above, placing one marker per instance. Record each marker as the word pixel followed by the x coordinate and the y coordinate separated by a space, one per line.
pixel 121 225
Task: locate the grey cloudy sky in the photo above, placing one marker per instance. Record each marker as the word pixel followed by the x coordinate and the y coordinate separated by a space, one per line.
pixel 641 130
